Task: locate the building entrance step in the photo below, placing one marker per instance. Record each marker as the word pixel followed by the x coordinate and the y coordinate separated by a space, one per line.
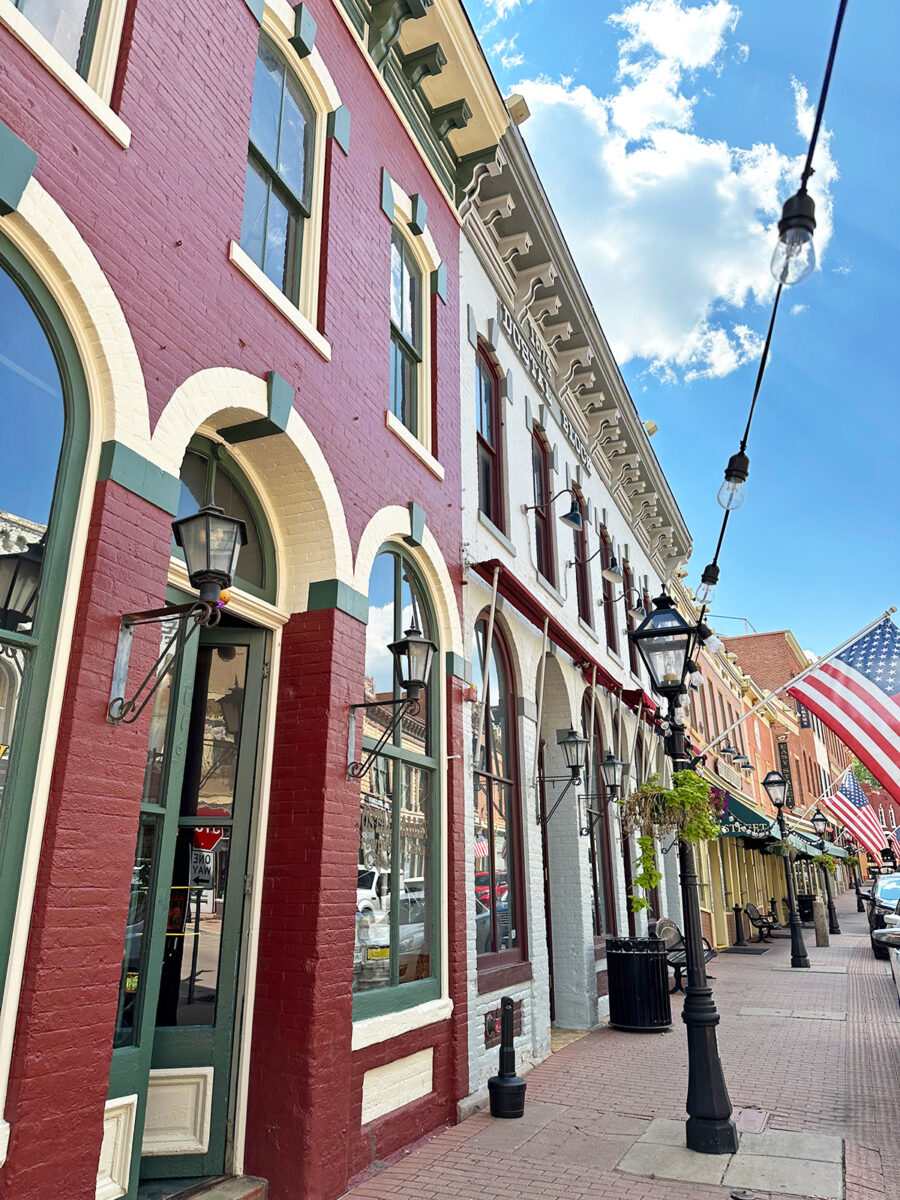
pixel 234 1187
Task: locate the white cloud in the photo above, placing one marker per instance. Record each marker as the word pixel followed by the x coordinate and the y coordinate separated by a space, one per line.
pixel 797 309
pixel 673 232
pixel 508 53
pixel 498 10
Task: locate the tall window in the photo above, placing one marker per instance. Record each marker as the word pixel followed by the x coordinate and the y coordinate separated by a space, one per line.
pixel 498 904
pixel 582 578
pixel 278 187
pixel 609 597
pixel 631 599
pixel 70 26
pixel 603 906
pixel 406 333
pixel 543 534
pixel 488 426
pixel 396 958
pixel 43 407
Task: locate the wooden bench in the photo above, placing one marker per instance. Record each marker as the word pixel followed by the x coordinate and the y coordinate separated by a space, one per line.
pixel 763 925
pixel 676 951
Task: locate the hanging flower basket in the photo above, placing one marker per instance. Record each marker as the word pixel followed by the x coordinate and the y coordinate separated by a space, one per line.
pixel 826 862
pixel 781 850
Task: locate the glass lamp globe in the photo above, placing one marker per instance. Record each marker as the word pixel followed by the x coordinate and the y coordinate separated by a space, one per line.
pixel 413 656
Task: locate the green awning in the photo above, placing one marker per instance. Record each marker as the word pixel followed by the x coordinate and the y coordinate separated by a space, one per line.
pixel 740 820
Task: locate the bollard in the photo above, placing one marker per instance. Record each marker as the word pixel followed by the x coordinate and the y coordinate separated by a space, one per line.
pixel 507 1090
pixel 820 920
pixel 739 939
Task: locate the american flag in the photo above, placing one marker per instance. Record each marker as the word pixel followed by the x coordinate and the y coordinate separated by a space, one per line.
pixel 482 850
pixel 894 839
pixel 857 695
pixel 850 806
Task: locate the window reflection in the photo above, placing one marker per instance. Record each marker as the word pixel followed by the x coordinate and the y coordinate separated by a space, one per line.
pixel 394 942
pixel 12 672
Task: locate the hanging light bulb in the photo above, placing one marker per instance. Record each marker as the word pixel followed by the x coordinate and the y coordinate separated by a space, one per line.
pixel 711 641
pixel 707 588
pixel 794 258
pixel 734 486
pixel 694 678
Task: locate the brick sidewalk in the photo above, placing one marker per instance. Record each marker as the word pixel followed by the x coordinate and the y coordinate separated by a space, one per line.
pixel 835 1071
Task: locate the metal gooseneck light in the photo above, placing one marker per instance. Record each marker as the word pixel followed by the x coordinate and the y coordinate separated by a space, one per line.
pixel 776 789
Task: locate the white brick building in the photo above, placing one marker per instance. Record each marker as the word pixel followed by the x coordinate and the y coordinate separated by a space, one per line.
pixel 545 413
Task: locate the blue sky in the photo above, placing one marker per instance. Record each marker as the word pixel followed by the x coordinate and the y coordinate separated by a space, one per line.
pixel 668 133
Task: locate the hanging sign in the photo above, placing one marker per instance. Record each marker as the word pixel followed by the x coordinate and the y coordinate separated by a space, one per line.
pixel 785 764
pixel 203 865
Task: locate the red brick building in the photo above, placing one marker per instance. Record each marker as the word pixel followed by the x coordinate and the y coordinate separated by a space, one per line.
pixel 228 261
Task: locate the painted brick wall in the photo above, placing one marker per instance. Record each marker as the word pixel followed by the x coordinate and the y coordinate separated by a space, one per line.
pixel 67 1012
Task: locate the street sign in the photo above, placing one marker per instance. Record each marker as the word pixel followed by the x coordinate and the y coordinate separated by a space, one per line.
pixel 207 837
pixel 203 865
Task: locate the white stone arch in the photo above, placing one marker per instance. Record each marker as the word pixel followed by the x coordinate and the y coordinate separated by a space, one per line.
pixel 289 473
pixel 391 524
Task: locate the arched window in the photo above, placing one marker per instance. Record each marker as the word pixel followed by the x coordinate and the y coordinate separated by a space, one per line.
pixel 406 334
pixel 543 532
pixel 499 907
pixel 881 815
pixel 209 475
pixel 397 952
pixel 609 596
pixel 603 904
pixel 278 186
pixel 893 818
pixel 43 415
pixel 489 433
pixel 631 599
pixel 582 577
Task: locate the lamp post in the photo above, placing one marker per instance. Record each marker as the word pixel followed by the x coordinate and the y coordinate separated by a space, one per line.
pixel 776 789
pixel 663 641
pixel 820 824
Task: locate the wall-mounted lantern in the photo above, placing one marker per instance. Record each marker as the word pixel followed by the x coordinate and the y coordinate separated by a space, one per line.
pixel 20 578
pixel 574 748
pixel 211 541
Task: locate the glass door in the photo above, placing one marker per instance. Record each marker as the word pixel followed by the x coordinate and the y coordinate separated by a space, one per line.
pixel 175 1033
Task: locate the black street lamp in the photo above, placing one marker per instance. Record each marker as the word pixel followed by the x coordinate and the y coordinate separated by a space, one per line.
pixel 211 541
pixel 574 748
pixel 776 789
pixel 20 578
pixel 820 824
pixel 663 641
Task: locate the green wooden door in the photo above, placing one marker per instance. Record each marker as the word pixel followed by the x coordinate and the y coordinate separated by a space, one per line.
pixel 175 1033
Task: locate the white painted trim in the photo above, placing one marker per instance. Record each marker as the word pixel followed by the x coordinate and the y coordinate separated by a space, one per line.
pixel 412 443
pixel 394 1084
pixel 192 1135
pixel 256 868
pixel 105 54
pixel 20 27
pixel 115 1152
pixel 275 296
pixel 380 1029
pixel 240 603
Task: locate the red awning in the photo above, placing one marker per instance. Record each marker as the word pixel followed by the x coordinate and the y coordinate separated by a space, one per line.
pixel 518 595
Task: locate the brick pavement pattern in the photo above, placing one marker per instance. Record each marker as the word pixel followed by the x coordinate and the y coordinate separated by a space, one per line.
pixel 588 1103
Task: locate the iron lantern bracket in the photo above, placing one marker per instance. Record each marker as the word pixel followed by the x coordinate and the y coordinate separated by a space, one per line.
pixel 406 707
pixel 594 814
pixel 572 779
pixel 190 617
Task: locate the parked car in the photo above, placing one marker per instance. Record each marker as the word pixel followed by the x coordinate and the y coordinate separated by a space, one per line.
pixel 883 900
pixel 889 940
pixel 483 885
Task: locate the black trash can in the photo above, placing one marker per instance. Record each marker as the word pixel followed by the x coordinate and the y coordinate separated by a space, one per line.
pixel 638 984
pixel 805 907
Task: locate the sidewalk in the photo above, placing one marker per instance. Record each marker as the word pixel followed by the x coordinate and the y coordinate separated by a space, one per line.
pixel 812 1052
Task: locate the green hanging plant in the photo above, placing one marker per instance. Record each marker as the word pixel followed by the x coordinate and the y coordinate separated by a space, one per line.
pixel 852 861
pixel 781 850
pixel 826 862
pixel 686 810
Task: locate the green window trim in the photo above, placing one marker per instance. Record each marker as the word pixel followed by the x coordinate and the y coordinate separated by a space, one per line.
pixel 398 997
pixel 16 809
pixel 82 63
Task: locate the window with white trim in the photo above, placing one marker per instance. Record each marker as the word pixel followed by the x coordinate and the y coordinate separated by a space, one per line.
pixel 84 33
pixel 406 335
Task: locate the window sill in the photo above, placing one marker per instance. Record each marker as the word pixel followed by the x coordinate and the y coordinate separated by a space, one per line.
pixel 20 27
pixel 495 979
pixel 497 533
pixel 616 657
pixel 291 312
pixel 372 1030
pixel 412 443
pixel 588 630
pixel 548 587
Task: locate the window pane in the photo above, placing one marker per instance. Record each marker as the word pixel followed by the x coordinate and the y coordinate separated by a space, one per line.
pixel 189 981
pixel 210 772
pixel 32 417
pixel 411 289
pixel 403 387
pixel 381 630
pixel 265 114
pixel 396 281
pixel 13 663
pixel 372 948
pixel 503 867
pixel 139 916
pixel 154 771
pixel 275 252
pixel 415 924
pixel 253 222
pixel 293 149
pixel 62 22
pixel 228 496
pixel 484 383
pixel 484 937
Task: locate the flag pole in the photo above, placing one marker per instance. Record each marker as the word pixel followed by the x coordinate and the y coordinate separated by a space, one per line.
pixel 790 683
pixel 829 791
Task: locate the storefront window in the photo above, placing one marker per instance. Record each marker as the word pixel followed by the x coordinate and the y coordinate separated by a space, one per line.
pixel 603 910
pixel 497 826
pixel 396 944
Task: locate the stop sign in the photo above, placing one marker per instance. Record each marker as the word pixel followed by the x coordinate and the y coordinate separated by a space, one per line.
pixel 207 837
